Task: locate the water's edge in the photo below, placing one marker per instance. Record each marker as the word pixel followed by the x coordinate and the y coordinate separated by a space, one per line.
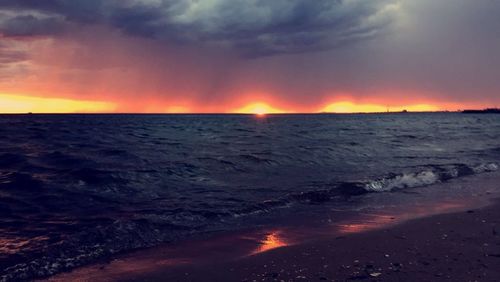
pixel 299 230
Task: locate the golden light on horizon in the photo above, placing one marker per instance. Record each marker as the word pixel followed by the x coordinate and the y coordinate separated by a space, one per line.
pixel 350 107
pixel 12 104
pixel 417 108
pixel 259 109
pixel 23 103
pixel 178 110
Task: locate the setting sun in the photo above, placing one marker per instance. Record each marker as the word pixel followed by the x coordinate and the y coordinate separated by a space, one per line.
pixel 259 109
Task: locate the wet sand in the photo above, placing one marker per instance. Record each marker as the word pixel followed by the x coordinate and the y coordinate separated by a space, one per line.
pixel 455 241
pixel 457 247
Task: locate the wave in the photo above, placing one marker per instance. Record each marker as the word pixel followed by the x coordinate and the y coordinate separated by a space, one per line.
pixel 87 246
pixel 109 238
pixel 426 177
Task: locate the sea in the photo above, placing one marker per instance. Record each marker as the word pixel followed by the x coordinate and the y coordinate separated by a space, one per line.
pixel 75 189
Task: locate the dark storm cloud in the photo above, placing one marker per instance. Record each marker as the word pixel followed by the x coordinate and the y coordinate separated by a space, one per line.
pixel 253 28
pixel 29 25
pixel 77 10
pixel 268 27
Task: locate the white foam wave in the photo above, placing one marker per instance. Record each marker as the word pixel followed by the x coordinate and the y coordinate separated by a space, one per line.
pixel 426 177
pixel 403 181
pixel 489 167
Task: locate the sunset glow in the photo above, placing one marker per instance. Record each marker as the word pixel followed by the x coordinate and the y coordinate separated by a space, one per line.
pixel 259 109
pixel 177 110
pixel 27 104
pixel 201 59
pixel 23 104
pixel 349 107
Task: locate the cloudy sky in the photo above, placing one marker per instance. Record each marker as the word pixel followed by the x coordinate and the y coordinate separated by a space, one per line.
pixel 224 55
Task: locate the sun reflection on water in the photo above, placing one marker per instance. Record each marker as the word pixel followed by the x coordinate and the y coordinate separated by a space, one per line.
pixel 272 240
pixel 368 222
pixel 14 245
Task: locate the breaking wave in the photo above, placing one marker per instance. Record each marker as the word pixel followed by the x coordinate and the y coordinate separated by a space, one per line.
pixel 393 182
pixel 426 177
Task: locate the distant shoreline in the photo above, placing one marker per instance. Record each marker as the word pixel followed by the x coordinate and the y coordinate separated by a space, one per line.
pixel 485 111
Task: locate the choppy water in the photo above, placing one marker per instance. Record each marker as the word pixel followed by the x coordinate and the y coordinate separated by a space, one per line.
pixel 74 188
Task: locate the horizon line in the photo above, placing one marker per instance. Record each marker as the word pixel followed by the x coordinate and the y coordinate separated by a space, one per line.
pixel 223 113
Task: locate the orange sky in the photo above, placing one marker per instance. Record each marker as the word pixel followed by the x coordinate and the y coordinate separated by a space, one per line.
pixel 11 103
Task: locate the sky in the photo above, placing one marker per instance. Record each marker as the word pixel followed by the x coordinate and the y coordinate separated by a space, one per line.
pixel 255 56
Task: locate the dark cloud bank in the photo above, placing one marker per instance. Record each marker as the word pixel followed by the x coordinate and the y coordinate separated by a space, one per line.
pixel 254 27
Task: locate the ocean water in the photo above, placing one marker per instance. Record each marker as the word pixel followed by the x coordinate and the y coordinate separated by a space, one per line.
pixel 76 188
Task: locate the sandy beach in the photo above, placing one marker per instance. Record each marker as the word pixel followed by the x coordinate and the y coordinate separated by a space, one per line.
pixel 456 247
pixel 455 240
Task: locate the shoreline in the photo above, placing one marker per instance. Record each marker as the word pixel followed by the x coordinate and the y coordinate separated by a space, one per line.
pixel 461 246
pixel 457 240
